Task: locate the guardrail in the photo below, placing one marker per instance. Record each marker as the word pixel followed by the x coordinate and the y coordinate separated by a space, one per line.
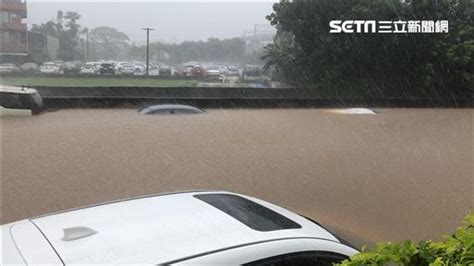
pixel 58 97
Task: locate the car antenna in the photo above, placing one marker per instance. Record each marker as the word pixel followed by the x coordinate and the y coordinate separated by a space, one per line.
pixel 74 233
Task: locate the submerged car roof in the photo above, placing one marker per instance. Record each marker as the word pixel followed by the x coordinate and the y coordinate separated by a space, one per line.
pixel 166 107
pixel 164 228
pixel 15 89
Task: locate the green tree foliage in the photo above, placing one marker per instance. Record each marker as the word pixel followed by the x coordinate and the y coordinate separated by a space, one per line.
pixel 457 249
pixel 231 50
pixel 305 54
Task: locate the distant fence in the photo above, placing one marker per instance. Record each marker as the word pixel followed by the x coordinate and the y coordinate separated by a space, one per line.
pixel 59 97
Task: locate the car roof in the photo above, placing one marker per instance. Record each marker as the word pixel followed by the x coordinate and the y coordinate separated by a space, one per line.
pixel 169 107
pixel 159 229
pixel 14 89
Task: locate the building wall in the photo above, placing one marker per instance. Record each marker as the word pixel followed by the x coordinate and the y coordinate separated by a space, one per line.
pixel 14 39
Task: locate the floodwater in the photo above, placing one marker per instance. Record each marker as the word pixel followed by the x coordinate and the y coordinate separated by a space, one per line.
pixel 402 174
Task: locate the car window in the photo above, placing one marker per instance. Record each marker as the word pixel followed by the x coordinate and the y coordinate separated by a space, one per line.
pixel 13 101
pixel 183 111
pixel 161 111
pixel 301 259
pixel 248 212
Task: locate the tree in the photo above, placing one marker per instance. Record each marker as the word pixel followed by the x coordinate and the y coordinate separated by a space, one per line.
pixel 69 36
pixel 305 54
pixel 66 28
pixel 214 49
pixel 48 28
pixel 108 43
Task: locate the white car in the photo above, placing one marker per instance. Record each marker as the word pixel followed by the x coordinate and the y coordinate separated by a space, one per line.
pixel 213 72
pixel 96 67
pixel 124 68
pixel 16 101
pixel 88 69
pixel 30 68
pixel 139 69
pixel 8 68
pixel 187 228
pixel 51 68
pixel 153 70
pixel 223 69
pixel 233 72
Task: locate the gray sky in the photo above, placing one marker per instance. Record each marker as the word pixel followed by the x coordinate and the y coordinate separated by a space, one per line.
pixel 173 21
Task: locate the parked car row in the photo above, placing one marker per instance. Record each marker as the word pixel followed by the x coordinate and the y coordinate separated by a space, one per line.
pixel 88 68
pixel 211 71
pixel 218 71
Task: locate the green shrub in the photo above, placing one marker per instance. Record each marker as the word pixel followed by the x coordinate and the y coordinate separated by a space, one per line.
pixel 457 249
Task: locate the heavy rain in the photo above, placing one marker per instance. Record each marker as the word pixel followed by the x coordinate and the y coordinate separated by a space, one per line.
pixel 368 131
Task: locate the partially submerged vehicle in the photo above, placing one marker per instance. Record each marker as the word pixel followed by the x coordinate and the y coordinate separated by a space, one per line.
pixel 20 101
pixel 170 109
pixel 187 228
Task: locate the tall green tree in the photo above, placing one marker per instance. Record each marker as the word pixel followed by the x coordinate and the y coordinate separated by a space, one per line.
pixel 305 54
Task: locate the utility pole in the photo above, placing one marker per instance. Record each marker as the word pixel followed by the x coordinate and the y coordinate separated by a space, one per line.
pixel 87 45
pixel 147 47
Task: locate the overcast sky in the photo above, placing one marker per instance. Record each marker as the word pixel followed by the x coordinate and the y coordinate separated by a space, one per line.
pixel 174 21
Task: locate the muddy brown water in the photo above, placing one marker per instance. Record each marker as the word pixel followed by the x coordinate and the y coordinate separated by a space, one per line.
pixel 403 174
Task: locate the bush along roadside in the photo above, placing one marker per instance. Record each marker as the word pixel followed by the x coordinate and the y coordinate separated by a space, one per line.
pixel 457 249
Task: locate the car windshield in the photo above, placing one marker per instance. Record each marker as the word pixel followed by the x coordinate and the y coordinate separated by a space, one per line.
pixel 355 114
